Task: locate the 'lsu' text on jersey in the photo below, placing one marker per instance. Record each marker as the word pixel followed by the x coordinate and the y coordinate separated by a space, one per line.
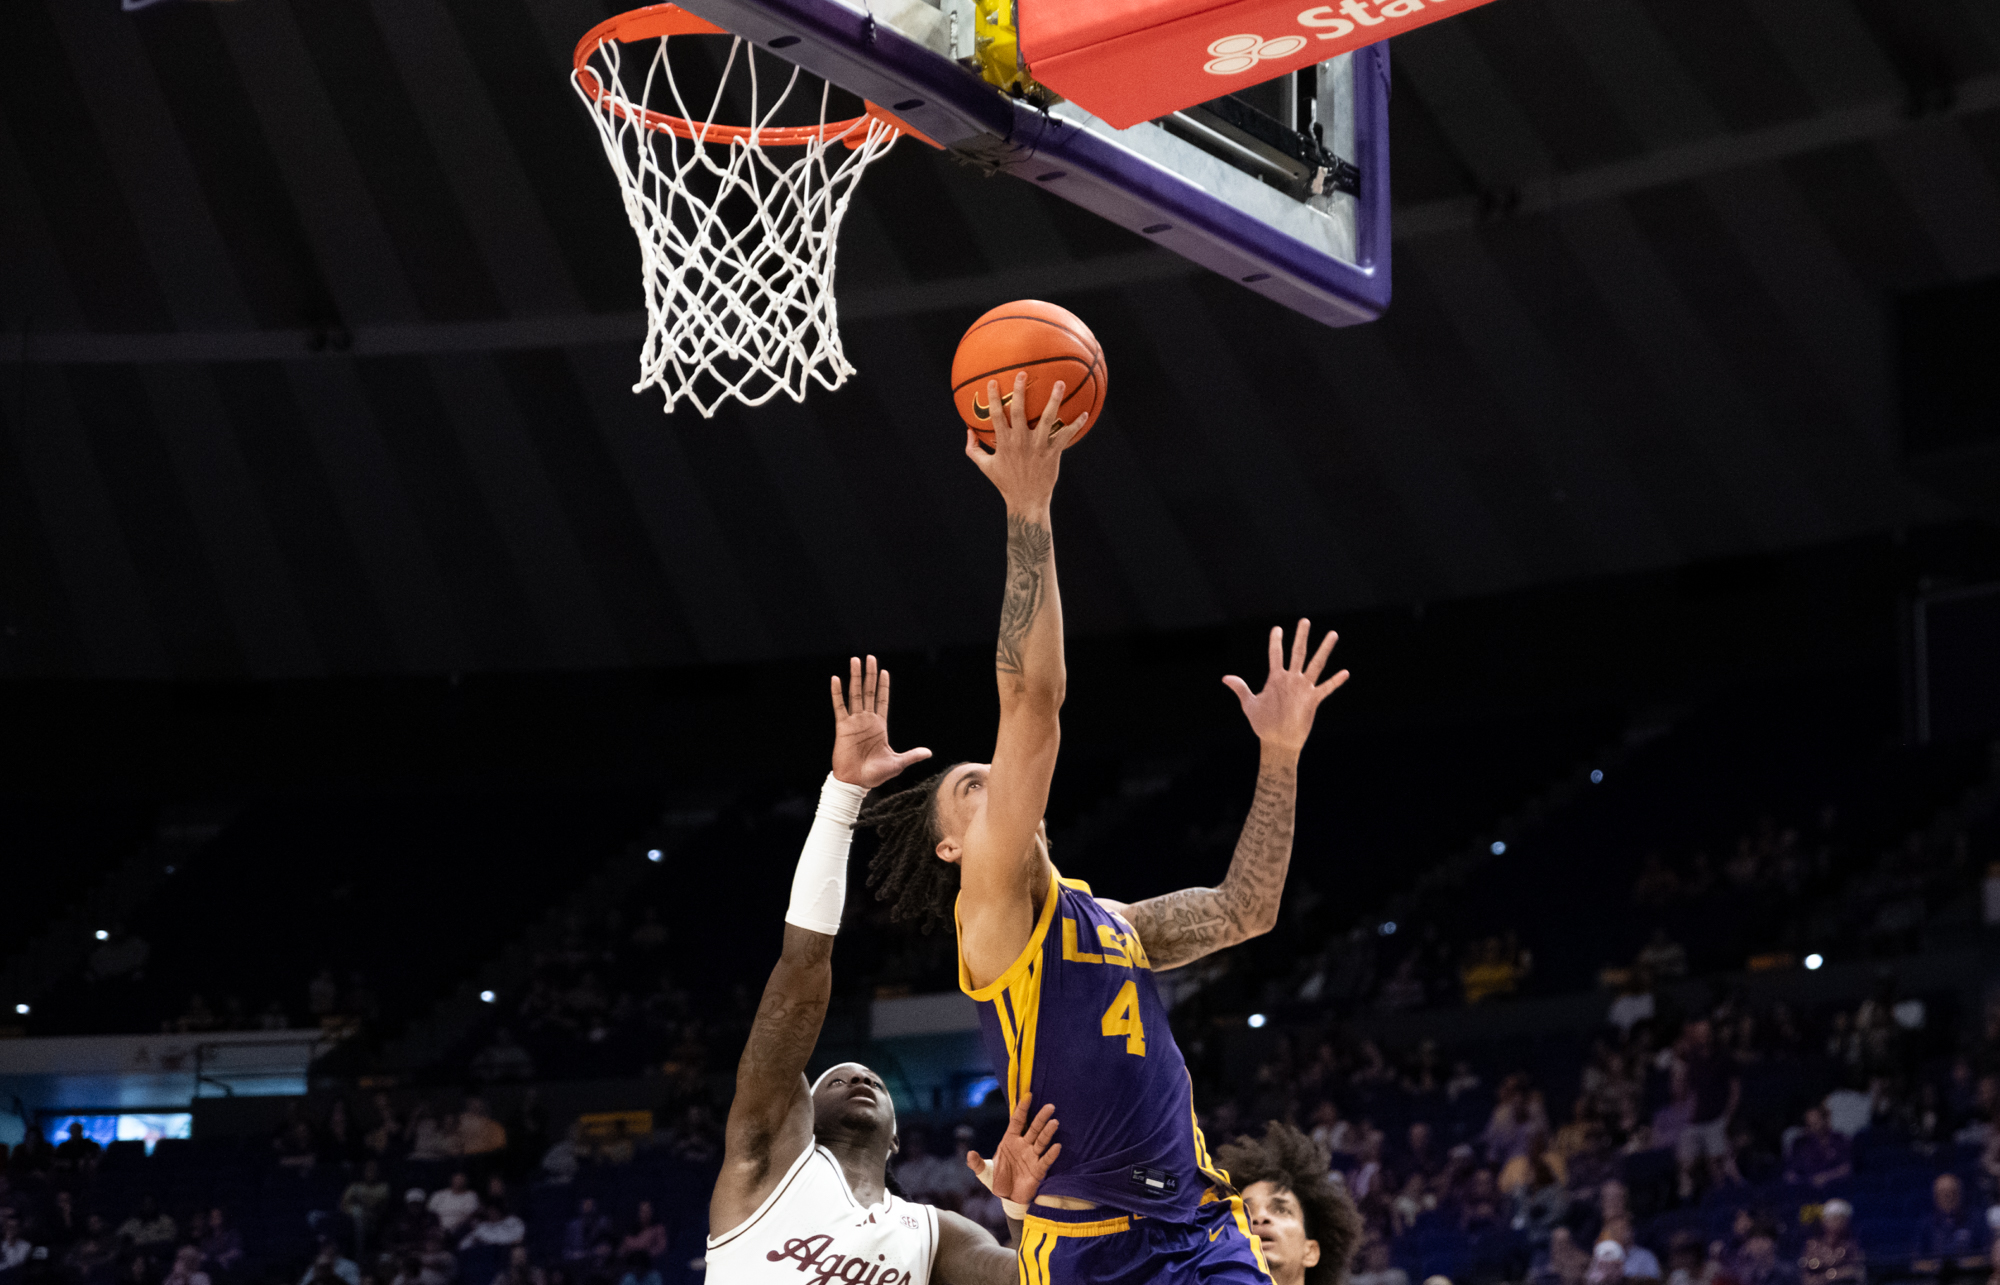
pixel 1076 1021
pixel 811 1229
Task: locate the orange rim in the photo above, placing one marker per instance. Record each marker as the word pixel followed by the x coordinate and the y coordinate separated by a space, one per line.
pixel 671 20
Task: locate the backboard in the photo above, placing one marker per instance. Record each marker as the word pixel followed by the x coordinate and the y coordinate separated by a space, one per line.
pixel 1283 187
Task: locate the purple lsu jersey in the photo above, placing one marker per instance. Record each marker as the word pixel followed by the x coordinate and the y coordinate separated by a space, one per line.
pixel 1076 1021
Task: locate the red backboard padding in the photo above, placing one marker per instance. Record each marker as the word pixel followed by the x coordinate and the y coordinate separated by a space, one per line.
pixel 1131 60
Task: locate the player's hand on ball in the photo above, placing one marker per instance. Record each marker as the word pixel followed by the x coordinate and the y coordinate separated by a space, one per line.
pixel 1023 1157
pixel 1024 461
pixel 1282 713
pixel 861 753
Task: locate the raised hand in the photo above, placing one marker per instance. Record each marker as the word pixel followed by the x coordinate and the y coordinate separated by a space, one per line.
pixel 1024 463
pixel 1282 713
pixel 1023 1157
pixel 861 753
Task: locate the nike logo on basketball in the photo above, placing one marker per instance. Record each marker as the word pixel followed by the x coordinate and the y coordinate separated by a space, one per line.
pixel 980 410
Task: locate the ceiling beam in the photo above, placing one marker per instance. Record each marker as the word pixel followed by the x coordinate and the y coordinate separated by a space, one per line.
pixel 1880 120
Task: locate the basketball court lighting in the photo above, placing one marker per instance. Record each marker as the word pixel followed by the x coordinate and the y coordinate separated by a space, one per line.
pixel 1499 848
pixel 655 855
pixel 1597 776
pixel 1388 928
pixel 1814 961
pixel 1256 1021
pixel 22 1009
pixel 488 997
pixel 102 935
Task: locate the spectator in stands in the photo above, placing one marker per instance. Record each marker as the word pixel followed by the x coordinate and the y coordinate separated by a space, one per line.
pixel 479 1134
pixel 454 1205
pixel 1757 1263
pixel 437 1260
pixel 1564 1263
pixel 493 1225
pixel 1662 956
pixel 364 1203
pixel 1375 1267
pixel 295 1149
pixel 340 1138
pixel 149 1226
pixel 520 1270
pixel 1531 1166
pixel 1686 1264
pixel 14 1247
pixel 33 1154
pixel 187 1268
pixel 388 1136
pixel 91 1257
pixel 1479 1204
pixel 929 1179
pixel 639 1270
pixel 1947 1236
pixel 1421 1157
pixel 79 1152
pixel 584 1231
pixel 1333 1134
pixel 1638 1262
pixel 1540 1201
pixel 323 995
pixel 1607 1264
pixel 331 1267
pixel 433 1137
pixel 1819 1155
pixel 1833 1256
pixel 221 1244
pixel 649 1235
pixel 1717 1090
pixel 503 1059
pixel 1410 1204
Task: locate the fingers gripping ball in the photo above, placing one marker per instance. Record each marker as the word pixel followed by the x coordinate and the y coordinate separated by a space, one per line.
pixel 1048 342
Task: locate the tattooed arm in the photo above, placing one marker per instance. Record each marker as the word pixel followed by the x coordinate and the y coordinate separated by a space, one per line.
pixel 771 1117
pixel 1181 927
pixel 999 850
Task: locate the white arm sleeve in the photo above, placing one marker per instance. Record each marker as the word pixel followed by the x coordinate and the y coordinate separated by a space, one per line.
pixel 819 888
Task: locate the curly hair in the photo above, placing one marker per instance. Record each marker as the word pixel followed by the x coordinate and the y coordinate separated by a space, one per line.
pixel 905 870
pixel 1291 1161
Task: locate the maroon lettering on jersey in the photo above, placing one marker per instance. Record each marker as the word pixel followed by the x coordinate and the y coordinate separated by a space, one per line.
pixel 811 1253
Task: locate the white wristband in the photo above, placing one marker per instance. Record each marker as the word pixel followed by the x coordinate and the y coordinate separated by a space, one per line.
pixel 1015 1211
pixel 819 887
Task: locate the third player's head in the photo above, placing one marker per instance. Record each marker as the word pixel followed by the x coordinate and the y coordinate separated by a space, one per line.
pixel 852 1104
pixel 1308 1226
pixel 923 833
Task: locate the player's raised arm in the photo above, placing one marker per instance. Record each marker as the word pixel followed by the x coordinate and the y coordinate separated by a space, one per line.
pixel 1181 927
pixel 999 845
pixel 771 1118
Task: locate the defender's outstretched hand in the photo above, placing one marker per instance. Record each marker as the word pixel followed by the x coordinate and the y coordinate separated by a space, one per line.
pixel 1023 1157
pixel 1024 463
pixel 861 753
pixel 1282 713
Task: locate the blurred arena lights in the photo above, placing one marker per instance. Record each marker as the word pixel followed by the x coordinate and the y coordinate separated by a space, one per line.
pixel 103 935
pixel 1256 1021
pixel 22 1009
pixel 655 855
pixel 1388 928
pixel 1597 776
pixel 1814 961
pixel 488 996
pixel 1499 848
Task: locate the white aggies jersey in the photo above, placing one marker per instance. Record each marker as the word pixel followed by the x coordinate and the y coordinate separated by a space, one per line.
pixel 812 1231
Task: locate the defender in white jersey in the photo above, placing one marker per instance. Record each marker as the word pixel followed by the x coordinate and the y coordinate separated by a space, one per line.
pixel 804 1191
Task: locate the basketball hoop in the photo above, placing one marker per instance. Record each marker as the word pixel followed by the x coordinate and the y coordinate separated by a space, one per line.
pixel 736 244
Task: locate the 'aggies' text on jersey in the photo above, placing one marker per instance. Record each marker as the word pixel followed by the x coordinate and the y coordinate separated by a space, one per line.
pixel 812 1230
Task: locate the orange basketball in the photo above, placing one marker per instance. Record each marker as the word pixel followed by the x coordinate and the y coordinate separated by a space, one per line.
pixel 1046 341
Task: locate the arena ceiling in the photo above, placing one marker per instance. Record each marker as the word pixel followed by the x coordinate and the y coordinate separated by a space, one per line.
pixel 320 316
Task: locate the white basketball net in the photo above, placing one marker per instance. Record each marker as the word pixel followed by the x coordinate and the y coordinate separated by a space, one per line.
pixel 738 265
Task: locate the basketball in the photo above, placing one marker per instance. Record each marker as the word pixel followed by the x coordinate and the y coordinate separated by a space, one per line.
pixel 1049 343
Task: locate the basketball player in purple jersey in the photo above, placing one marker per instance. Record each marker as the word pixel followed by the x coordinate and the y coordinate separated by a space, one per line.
pixel 1064 980
pixel 804 1190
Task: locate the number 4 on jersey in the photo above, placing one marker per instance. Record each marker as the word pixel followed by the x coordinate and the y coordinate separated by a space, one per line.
pixel 1122 1018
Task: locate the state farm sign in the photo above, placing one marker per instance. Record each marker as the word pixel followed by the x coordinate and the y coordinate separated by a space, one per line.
pixel 1132 60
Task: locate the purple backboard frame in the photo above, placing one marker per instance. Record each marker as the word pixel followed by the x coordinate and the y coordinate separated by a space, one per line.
pixel 886 67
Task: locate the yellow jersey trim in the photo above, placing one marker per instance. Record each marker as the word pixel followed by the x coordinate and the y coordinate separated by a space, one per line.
pixel 1016 971
pixel 1048 1227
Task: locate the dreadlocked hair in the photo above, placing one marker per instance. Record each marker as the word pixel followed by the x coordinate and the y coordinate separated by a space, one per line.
pixel 905 870
pixel 1291 1161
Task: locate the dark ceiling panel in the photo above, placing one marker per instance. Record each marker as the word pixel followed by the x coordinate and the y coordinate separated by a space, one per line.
pixel 1856 201
pixel 232 160
pixel 1731 58
pixel 397 160
pixel 1544 73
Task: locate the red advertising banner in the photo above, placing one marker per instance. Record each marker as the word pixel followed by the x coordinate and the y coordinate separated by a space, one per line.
pixel 1131 60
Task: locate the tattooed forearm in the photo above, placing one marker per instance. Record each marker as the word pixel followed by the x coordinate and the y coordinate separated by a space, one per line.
pixel 1028 548
pixel 783 1034
pixel 1181 927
